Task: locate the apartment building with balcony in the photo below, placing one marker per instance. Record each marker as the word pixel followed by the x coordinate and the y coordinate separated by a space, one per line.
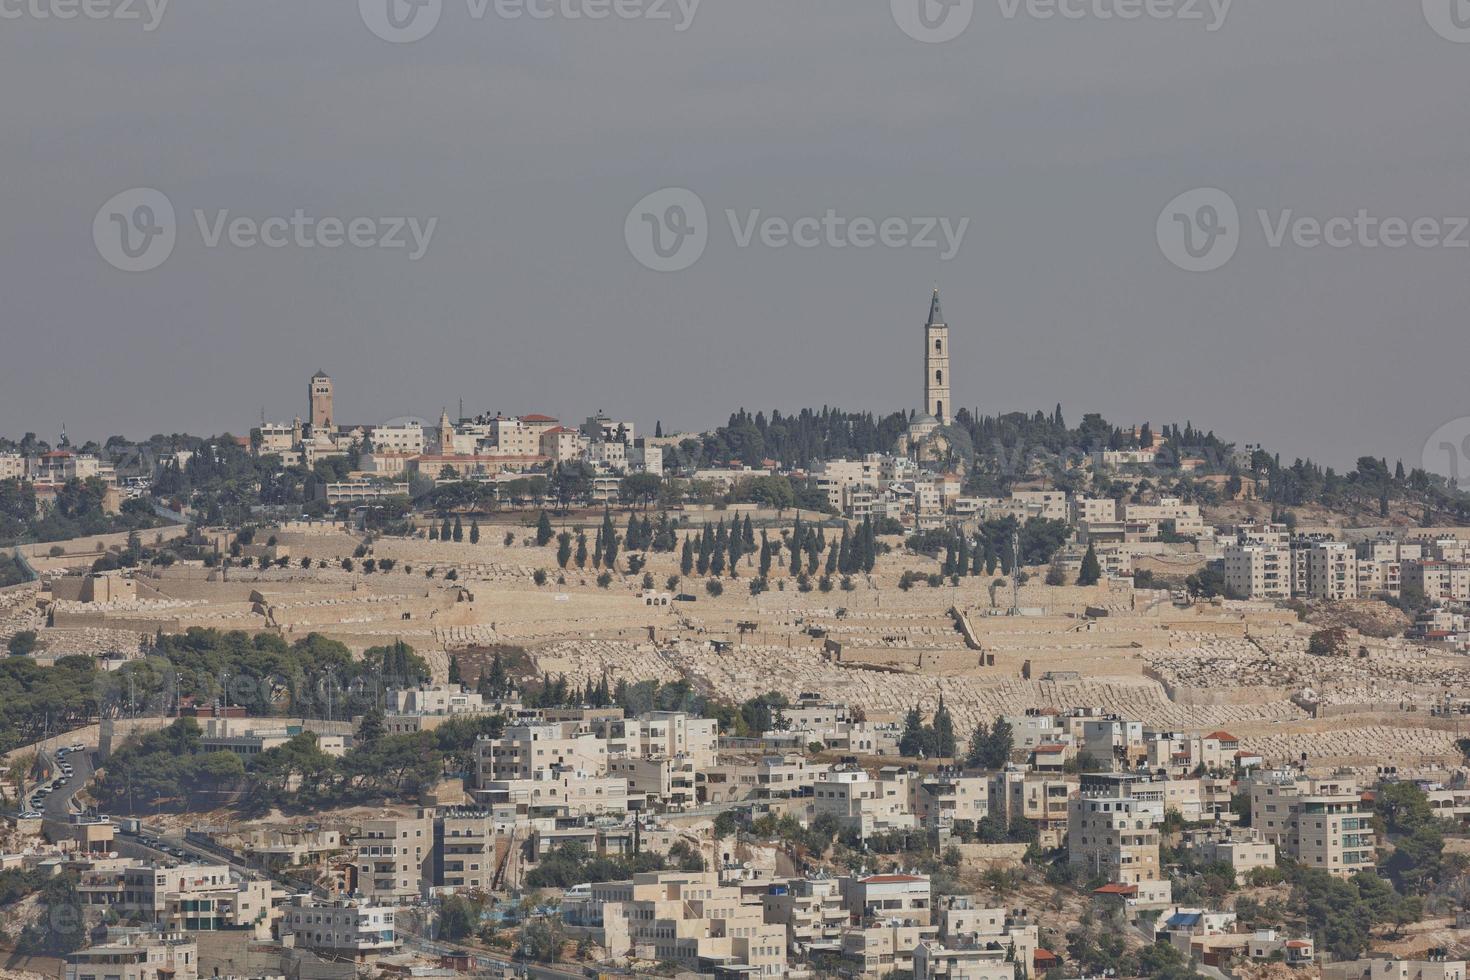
pixel 1323 824
pixel 687 918
pixel 465 851
pixel 395 856
pixel 163 957
pixel 343 928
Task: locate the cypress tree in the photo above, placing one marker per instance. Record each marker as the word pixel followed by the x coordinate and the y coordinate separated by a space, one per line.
pixel 458 530
pixel 474 532
pixel 796 540
pixel 686 558
pixel 544 532
pixel 944 740
pixel 911 742
pixel 1091 570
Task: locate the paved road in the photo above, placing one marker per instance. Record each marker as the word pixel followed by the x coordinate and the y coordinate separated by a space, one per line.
pixel 57 805
pixel 129 846
pixel 484 960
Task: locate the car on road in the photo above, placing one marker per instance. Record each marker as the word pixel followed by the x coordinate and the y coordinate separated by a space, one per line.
pixel 79 747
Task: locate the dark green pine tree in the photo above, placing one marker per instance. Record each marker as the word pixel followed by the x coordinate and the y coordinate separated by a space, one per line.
pixel 474 532
pixel 433 532
pixel 832 551
pixel 499 682
pixel 706 545
pixel 686 558
pixel 609 545
pixel 978 755
pixel 1091 571
pixel 765 555
pixel 911 742
pixel 544 531
pixel 944 741
pixel 445 530
pixel 581 549
pixel 458 530
pixel 797 533
pixel 747 533
pixel 454 677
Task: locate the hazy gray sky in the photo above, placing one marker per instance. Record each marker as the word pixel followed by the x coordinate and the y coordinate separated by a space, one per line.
pixel 529 140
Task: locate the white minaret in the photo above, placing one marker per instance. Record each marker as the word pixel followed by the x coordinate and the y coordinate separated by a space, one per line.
pixel 936 364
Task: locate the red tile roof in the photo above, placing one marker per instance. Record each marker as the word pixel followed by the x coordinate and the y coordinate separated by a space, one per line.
pixel 1222 736
pixel 537 418
pixel 1113 888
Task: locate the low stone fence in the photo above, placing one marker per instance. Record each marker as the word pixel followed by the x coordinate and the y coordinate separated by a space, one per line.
pixel 1213 696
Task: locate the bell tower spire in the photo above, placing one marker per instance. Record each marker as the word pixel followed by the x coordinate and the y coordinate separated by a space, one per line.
pixel 936 364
